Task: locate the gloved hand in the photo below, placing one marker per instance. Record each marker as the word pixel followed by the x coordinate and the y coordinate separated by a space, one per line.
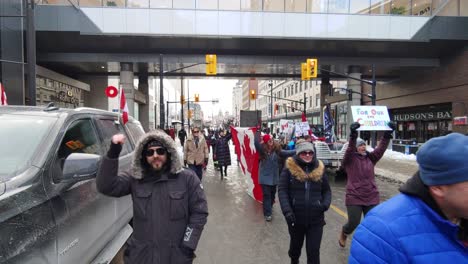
pixel 389 133
pixel 290 218
pixel 354 126
pixel 185 163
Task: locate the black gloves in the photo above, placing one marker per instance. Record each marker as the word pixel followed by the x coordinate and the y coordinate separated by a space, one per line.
pixel 353 127
pixel 185 163
pixel 290 218
pixel 389 133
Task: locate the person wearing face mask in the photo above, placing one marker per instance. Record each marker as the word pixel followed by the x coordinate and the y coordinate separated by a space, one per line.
pixel 169 204
pixel 304 194
pixel 361 191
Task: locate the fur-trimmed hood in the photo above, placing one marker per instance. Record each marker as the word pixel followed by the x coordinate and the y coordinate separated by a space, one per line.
pixel 167 142
pixel 298 172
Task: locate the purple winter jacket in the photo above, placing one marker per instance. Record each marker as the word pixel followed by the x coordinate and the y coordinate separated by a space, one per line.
pixel 360 187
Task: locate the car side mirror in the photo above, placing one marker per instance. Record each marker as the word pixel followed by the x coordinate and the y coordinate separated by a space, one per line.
pixel 79 166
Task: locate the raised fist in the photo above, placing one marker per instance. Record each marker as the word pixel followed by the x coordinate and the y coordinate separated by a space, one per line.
pixel 118 139
pixel 391 125
pixel 354 126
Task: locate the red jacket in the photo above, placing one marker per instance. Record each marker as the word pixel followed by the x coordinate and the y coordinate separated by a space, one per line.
pixel 360 187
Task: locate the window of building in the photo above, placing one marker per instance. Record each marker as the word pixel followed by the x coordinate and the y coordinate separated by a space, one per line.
pixel 317 100
pixel 401 7
pixel 273 5
pixel 317 6
pixel 285 92
pixel 229 5
pixel 450 9
pixel 379 7
pixel 338 6
pixel 295 88
pixel 359 6
pixel 207 4
pixel 183 4
pixel 296 6
pixel 138 3
pixel 463 8
pixel 300 86
pixel 113 3
pixel 421 8
pixel 161 3
pixel 310 101
pixel 251 5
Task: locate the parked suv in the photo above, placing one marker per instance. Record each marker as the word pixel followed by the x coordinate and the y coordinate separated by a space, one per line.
pixel 50 210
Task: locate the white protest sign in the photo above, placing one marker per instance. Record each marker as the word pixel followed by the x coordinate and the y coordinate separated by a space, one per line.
pixel 302 129
pixel 371 117
pixel 285 125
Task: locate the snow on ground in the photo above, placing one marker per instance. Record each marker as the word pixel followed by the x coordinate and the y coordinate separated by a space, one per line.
pixel 395 155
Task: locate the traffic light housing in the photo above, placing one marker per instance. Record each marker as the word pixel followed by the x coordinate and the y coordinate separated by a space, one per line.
pixel 253 94
pixel 304 75
pixel 189 113
pixel 210 60
pixel 197 98
pixel 182 99
pixel 311 67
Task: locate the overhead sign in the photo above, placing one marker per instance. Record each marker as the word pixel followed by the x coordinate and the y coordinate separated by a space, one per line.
pixel 302 129
pixel 371 117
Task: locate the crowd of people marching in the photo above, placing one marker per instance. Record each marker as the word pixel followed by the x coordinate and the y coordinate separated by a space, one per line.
pixel 426 223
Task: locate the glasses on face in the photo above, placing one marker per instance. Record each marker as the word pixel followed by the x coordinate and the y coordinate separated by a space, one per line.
pixel 307 153
pixel 159 151
pixel 195 132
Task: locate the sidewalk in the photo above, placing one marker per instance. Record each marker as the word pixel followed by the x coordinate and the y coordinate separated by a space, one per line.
pixel 397 167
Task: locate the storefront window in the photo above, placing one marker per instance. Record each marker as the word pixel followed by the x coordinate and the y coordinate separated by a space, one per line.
pixel 450 9
pixel 400 7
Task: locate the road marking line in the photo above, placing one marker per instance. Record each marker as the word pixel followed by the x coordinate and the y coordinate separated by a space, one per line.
pixel 337 210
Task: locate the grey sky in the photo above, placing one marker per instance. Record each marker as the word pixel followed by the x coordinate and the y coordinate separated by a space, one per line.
pixel 213 89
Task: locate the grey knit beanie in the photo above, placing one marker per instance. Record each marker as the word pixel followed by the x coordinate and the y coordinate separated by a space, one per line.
pixel 360 142
pixel 304 146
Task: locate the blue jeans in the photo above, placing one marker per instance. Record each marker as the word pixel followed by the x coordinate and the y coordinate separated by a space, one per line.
pixel 269 192
pixel 198 169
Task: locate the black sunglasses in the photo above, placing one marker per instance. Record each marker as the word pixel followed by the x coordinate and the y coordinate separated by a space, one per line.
pixel 159 151
pixel 310 153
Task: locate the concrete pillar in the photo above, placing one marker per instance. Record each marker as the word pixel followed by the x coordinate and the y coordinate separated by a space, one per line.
pixel 143 109
pixel 126 82
pixel 353 71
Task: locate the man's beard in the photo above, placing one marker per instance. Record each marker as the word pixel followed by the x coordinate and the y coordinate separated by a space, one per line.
pixel 158 165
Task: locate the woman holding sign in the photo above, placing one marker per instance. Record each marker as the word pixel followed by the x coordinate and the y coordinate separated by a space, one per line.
pixel 361 191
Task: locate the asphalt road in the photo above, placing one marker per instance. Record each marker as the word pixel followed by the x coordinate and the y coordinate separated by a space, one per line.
pixel 236 231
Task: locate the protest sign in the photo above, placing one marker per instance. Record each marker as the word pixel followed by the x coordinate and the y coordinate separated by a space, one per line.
pixel 371 117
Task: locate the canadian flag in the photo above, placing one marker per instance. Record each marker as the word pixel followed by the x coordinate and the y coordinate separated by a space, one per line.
pixel 123 106
pixel 243 139
pixel 3 97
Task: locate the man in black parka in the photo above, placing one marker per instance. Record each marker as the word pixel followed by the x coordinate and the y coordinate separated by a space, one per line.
pixel 169 204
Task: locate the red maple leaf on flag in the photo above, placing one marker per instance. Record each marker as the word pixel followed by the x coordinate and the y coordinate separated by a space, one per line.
pixel 123 106
pixel 243 139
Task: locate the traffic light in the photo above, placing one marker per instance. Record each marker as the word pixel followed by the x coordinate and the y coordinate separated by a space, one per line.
pixel 182 99
pixel 253 95
pixel 189 113
pixel 304 72
pixel 210 64
pixel 197 98
pixel 312 66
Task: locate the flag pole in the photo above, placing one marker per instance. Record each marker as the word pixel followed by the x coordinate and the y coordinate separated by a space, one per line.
pixel 119 102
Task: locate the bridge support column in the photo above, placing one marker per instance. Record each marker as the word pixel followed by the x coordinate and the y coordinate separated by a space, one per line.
pixel 353 71
pixel 143 109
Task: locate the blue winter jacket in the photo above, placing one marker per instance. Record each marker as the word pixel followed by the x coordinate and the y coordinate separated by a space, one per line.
pixel 268 169
pixel 405 229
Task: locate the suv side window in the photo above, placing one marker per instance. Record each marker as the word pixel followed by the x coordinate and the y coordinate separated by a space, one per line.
pixel 80 137
pixel 108 128
pixel 135 130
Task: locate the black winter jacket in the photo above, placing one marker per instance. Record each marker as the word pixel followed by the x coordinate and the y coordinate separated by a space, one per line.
pixel 304 191
pixel 169 208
